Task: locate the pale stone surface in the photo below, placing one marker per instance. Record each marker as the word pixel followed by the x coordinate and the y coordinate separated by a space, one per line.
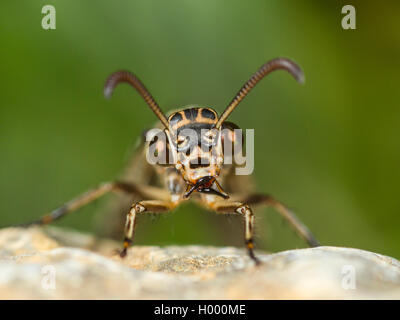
pixel 82 268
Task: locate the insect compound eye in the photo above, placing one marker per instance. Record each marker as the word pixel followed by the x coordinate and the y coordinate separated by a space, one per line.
pixel 158 149
pixel 232 141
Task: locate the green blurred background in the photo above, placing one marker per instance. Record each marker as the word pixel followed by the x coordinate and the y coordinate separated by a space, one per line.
pixel 329 149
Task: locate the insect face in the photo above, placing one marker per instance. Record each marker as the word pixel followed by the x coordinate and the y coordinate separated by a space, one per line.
pixel 196 145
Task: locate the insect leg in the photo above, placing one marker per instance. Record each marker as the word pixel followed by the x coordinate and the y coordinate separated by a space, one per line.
pixel 90 196
pixel 149 206
pixel 289 216
pixel 227 206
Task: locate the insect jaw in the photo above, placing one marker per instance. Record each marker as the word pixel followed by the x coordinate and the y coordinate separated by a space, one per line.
pixel 204 185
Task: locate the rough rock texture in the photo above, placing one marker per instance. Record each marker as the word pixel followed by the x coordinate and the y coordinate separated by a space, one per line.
pixel 52 263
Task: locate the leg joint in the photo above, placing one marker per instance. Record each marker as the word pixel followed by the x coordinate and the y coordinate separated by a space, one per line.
pixel 244 209
pixel 137 208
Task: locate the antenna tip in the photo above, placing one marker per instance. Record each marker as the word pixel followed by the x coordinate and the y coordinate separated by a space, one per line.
pixel 107 92
pixel 300 77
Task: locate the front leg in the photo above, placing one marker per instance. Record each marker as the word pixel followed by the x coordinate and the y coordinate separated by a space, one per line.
pixel 150 206
pixel 229 207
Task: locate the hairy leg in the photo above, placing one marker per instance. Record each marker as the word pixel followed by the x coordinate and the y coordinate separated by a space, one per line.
pixel 149 206
pixel 289 216
pixel 241 208
pixel 94 194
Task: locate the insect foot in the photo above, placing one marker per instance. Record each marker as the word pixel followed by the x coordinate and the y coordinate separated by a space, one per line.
pixel 130 226
pixel 247 213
